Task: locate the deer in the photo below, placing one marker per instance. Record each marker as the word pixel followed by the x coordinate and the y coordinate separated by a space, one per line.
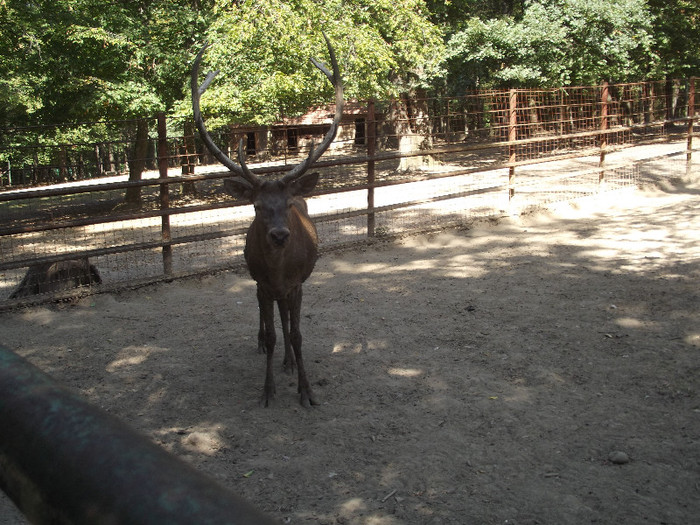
pixel 281 246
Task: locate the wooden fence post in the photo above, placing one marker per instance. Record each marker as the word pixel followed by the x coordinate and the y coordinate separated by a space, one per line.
pixel 605 93
pixel 512 137
pixel 164 194
pixel 691 119
pixel 371 151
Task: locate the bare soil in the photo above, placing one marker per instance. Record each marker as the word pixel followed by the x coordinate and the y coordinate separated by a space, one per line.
pixel 477 376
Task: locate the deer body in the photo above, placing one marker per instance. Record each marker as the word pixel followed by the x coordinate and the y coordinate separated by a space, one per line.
pixel 281 251
pixel 282 242
pixel 278 268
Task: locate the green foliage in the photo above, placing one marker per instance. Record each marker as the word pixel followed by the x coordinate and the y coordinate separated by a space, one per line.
pixel 86 59
pixel 90 60
pixel 677 36
pixel 557 42
pixel 455 14
pixel 262 50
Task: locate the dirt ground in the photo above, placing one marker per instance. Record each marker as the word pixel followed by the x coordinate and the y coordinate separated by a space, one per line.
pixel 542 370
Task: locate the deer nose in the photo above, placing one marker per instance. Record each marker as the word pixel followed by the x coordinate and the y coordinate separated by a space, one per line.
pixel 279 236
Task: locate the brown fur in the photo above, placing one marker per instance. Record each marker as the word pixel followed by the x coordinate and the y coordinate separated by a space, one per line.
pixel 281 246
pixel 280 268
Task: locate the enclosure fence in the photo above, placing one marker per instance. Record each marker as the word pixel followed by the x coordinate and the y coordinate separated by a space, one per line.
pixel 141 201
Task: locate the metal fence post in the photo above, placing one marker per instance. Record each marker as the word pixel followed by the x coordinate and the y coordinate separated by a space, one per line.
pixel 164 194
pixel 512 137
pixel 371 151
pixel 605 94
pixel 691 120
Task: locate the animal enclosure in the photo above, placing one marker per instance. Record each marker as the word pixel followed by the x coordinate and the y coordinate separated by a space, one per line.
pixel 480 376
pixel 395 168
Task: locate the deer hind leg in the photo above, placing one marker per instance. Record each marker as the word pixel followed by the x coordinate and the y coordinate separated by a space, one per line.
pixel 306 395
pixel 267 318
pixel 289 361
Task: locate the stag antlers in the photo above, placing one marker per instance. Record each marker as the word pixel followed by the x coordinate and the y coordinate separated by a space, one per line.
pixel 241 169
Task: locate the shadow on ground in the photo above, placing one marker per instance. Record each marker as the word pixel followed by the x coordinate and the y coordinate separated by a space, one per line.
pixel 471 376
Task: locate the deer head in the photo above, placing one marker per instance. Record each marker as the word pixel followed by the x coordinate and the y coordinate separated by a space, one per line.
pixel 271 198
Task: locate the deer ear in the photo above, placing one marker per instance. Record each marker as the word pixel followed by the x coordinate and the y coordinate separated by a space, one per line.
pixel 239 188
pixel 304 184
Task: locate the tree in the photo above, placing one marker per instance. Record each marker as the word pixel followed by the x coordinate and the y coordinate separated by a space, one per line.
pixel 86 60
pixel 677 36
pixel 64 60
pixel 262 49
pixel 454 14
pixel 90 61
pixel 556 42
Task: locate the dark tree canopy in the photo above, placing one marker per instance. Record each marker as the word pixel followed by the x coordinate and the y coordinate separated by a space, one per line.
pixel 83 60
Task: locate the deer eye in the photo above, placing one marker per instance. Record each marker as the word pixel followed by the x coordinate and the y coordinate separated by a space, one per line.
pixel 264 211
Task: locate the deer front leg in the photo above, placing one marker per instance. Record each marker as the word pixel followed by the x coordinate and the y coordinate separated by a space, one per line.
pixel 306 395
pixel 288 363
pixel 261 331
pixel 267 311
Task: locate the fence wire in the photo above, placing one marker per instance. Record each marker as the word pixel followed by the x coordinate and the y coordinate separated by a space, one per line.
pixel 423 165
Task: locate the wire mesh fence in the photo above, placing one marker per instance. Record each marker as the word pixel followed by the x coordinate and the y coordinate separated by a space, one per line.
pixel 136 202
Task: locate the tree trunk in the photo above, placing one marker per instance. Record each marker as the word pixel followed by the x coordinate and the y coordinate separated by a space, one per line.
pixel 80 168
pixel 98 162
pixel 63 164
pixel 35 168
pixel 413 131
pixel 262 139
pixel 111 159
pixel 668 92
pixel 138 161
pixel 188 157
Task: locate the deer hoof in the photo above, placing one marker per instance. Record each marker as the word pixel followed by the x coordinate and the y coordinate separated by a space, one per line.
pixel 266 400
pixel 268 396
pixel 288 366
pixel 307 399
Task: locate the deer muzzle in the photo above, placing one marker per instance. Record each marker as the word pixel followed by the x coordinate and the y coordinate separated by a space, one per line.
pixel 278 237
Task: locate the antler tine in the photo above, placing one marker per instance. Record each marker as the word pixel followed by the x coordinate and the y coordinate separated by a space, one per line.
pixel 240 170
pixel 336 81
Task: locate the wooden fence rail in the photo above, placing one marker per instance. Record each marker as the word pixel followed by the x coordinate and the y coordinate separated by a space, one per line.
pixel 468 155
